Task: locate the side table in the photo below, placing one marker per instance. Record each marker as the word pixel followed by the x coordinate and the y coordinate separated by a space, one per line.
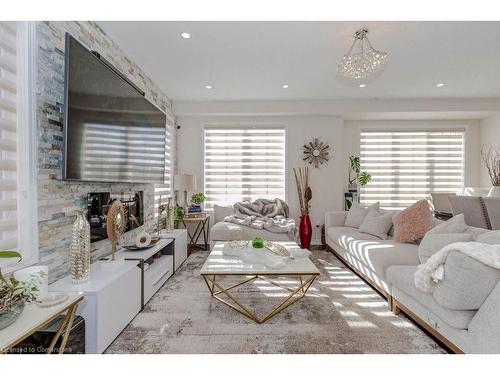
pixel 202 221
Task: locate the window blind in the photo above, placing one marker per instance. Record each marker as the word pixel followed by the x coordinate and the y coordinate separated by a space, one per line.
pixel 408 165
pixel 244 163
pixel 8 136
pixel 165 190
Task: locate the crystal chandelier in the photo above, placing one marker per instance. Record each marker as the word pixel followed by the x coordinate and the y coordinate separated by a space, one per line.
pixel 362 62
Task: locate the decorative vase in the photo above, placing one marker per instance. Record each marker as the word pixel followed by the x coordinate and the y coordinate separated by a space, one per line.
pixel 169 224
pixel 11 314
pixel 494 191
pixel 80 249
pixel 305 231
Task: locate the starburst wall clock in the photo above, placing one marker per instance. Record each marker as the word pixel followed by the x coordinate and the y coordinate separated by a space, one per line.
pixel 316 152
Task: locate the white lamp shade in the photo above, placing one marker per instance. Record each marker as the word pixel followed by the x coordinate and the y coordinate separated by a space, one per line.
pixel 185 182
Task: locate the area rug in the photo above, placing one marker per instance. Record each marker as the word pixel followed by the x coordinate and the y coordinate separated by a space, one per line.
pixel 340 314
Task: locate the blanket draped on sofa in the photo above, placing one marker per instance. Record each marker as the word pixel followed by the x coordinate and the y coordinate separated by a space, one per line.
pixel 266 214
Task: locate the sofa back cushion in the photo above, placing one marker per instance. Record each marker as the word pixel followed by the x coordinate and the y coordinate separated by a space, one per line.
pixel 454 225
pixel 411 224
pixel 220 212
pixel 433 242
pixel 490 237
pixel 357 214
pixel 376 224
pixel 466 284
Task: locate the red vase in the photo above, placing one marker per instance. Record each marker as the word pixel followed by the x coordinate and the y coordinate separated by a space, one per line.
pixel 305 231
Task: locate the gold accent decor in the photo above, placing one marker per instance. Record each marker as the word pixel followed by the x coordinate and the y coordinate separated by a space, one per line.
pixel 115 225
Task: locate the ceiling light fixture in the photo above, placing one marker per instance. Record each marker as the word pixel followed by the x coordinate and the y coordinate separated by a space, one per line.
pixel 185 35
pixel 362 85
pixel 285 86
pixel 439 84
pixel 362 61
pixel 209 87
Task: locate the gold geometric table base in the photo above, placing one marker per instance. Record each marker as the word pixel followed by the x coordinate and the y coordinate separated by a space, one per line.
pixel 295 294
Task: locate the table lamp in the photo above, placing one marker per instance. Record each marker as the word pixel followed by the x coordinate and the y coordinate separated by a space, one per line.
pixel 185 183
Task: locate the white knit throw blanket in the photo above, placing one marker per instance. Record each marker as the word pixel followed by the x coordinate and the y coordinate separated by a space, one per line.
pixel 432 272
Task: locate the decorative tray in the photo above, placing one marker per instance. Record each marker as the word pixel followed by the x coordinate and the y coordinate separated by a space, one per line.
pixel 135 248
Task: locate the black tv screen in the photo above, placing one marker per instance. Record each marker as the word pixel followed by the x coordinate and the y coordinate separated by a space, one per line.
pixel 112 133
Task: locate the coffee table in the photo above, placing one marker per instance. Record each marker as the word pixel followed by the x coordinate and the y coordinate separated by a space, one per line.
pixel 217 266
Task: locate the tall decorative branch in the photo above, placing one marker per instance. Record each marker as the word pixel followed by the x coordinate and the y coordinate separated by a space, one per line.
pixel 303 189
pixel 491 160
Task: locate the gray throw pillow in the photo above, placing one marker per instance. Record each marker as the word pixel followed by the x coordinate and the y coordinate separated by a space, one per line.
pixel 433 242
pixel 490 237
pixel 454 225
pixel 466 284
pixel 357 214
pixel 376 224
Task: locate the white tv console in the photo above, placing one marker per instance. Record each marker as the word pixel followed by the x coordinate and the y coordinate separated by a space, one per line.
pixel 115 294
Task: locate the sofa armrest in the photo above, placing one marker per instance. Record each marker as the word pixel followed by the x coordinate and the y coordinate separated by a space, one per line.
pixel 335 218
pixel 484 328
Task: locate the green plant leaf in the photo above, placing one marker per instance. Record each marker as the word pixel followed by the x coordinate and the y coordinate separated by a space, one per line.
pixel 364 178
pixel 10 254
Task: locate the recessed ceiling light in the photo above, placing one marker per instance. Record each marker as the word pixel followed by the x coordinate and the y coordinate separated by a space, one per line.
pixel 439 84
pixel 362 85
pixel 185 35
pixel 285 86
pixel 209 87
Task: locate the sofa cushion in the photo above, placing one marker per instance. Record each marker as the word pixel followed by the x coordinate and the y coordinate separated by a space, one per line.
pixel 401 277
pixel 454 225
pixel 376 224
pixel 412 223
pixel 224 231
pixel 466 284
pixel 489 237
pixel 476 232
pixel 357 214
pixel 220 212
pixel 433 242
pixel 375 255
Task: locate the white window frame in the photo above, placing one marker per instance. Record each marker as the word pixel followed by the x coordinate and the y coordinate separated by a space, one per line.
pixel 27 149
pixel 248 124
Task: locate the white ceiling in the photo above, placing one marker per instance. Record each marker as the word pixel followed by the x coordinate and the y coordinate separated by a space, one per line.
pixel 252 60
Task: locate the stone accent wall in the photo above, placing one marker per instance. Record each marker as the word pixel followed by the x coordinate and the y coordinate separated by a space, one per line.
pixel 57 199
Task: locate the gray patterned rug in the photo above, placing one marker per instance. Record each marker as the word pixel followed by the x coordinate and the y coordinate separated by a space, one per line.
pixel 340 314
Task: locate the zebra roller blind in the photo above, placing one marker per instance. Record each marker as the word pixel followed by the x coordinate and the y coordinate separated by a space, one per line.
pixel 244 163
pixel 408 165
pixel 8 137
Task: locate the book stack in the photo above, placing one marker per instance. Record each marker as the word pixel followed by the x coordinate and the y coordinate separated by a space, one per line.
pixel 194 208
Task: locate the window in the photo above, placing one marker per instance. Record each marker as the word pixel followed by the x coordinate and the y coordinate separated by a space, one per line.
pixel 407 165
pixel 165 190
pixel 244 163
pixel 18 206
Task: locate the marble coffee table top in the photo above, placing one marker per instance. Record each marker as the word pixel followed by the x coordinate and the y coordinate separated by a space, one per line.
pixel 219 264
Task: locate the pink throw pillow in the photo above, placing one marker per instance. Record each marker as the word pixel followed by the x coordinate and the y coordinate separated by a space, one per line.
pixel 412 223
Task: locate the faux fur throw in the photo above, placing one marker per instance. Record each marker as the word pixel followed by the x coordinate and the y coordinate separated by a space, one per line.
pixel 432 272
pixel 270 215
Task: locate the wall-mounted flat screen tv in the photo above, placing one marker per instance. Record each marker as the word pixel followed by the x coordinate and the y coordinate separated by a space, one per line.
pixel 112 133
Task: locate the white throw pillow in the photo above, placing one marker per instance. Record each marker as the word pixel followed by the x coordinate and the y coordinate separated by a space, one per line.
pixel 454 225
pixel 357 214
pixel 433 242
pixel 491 237
pixel 376 224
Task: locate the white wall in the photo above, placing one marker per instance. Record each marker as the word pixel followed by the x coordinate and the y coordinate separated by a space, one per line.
pixel 326 181
pixel 352 130
pixel 490 135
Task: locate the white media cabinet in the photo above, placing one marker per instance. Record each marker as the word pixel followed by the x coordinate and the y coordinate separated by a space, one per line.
pixel 115 294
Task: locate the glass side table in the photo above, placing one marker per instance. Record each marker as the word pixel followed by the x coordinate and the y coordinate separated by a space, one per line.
pixel 202 221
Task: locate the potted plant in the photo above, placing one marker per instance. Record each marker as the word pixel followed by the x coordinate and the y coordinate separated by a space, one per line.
pixel 14 294
pixel 356 176
pixel 198 199
pixel 491 160
pixel 305 195
pixel 178 215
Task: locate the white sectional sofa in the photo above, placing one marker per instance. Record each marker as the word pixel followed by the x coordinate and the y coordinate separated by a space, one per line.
pixel 389 267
